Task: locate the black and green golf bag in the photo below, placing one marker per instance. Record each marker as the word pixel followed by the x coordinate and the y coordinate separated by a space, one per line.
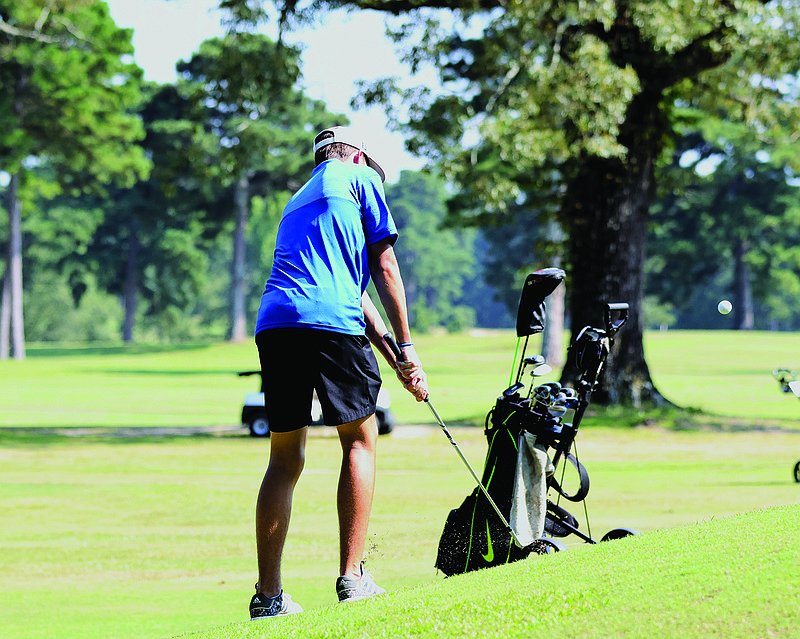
pixel 474 536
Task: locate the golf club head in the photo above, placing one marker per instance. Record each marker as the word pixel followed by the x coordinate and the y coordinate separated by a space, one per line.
pixel 534 360
pixel 569 402
pixel 542 392
pixel 555 388
pixel 541 370
pixel 557 410
pixel 538 285
pixel 512 390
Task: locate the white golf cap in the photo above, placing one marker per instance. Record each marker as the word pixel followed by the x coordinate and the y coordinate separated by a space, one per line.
pixel 351 137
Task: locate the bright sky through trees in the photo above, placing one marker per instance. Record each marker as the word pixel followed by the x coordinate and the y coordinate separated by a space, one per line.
pixel 166 31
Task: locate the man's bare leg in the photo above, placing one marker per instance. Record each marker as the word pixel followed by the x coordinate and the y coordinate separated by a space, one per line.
pixel 356 487
pixel 274 506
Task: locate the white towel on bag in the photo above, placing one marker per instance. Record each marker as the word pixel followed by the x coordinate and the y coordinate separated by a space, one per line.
pixel 529 501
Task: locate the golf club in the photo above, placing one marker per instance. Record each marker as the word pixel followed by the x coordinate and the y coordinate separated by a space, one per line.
pixel 398 354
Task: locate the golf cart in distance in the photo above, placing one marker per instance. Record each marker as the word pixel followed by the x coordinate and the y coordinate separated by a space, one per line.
pixel 255 417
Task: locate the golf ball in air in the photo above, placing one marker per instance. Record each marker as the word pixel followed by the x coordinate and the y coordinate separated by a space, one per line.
pixel 724 307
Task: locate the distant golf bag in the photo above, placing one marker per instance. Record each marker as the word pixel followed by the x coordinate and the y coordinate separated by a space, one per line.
pixel 474 535
pixel 789 384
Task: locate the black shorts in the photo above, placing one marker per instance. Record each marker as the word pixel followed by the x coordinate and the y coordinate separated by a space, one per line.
pixel 296 361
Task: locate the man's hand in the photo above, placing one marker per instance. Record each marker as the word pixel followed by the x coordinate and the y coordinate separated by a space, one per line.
pixel 410 373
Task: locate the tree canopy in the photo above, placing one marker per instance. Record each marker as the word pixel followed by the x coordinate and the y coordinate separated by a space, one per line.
pixel 67 84
pixel 435 264
pixel 254 131
pixel 581 103
pixel 737 227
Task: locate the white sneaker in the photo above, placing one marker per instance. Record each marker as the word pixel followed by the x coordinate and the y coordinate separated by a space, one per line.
pixel 262 606
pixel 352 589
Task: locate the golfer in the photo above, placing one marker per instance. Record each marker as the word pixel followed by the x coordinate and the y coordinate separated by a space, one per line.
pixel 314 328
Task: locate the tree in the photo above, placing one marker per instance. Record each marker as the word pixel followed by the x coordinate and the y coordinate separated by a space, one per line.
pixel 582 101
pixel 738 222
pixel 151 250
pixel 256 127
pixel 435 263
pixel 66 84
pixel 519 242
pixel 62 300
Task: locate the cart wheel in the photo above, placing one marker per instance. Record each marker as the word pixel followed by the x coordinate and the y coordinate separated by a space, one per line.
pixel 386 421
pixel 797 472
pixel 259 427
pixel 546 546
pixel 619 533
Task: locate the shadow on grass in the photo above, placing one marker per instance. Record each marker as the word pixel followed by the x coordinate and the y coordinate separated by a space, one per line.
pixel 756 484
pixel 111 350
pixel 41 437
pixel 160 371
pixel 676 418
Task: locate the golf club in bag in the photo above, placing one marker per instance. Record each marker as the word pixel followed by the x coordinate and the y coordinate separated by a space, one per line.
pixel 789 384
pixel 504 519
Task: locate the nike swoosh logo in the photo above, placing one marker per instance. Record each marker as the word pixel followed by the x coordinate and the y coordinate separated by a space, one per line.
pixel 489 556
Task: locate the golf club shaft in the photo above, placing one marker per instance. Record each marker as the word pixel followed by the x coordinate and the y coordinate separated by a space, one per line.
pixel 396 350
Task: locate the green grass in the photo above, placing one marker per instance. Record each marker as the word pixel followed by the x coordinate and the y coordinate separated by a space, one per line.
pixel 721 372
pixel 687 582
pixel 127 386
pixel 152 537
pixel 726 373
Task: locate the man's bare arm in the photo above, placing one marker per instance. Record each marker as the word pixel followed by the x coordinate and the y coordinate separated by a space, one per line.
pixel 386 274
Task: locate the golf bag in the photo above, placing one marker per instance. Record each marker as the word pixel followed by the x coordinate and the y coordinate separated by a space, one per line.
pixel 474 536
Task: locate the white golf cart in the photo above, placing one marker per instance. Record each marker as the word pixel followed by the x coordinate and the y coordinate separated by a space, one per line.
pixel 255 418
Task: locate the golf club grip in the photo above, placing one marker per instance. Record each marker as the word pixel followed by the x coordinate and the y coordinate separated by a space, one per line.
pixel 393 345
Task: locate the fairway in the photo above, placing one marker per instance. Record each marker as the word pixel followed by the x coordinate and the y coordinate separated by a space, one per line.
pixel 721 372
pixel 152 537
pixel 725 372
pixel 116 526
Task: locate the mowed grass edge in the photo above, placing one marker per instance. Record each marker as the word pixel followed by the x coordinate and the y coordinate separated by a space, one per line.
pixel 731 577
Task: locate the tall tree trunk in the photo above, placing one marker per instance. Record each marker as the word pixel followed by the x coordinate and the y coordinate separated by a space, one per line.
pixel 743 314
pixel 238 331
pixel 555 305
pixel 553 335
pixel 13 279
pixel 131 290
pixel 5 315
pixel 607 209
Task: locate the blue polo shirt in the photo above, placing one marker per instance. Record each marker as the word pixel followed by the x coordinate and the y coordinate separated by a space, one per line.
pixel 320 267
